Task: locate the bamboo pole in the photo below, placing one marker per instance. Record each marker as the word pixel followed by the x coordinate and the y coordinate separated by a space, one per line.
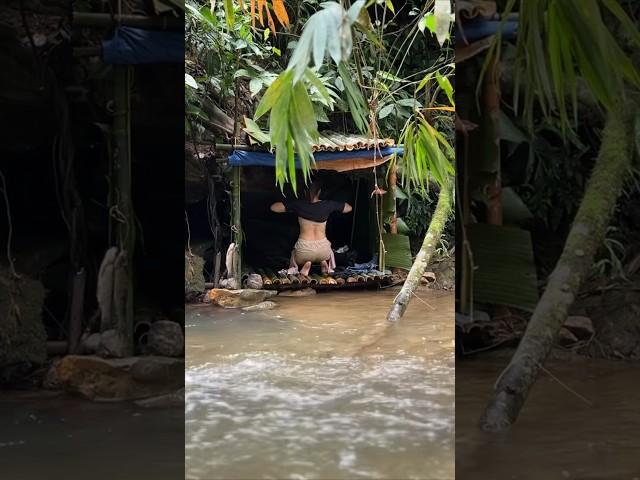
pixel 216 270
pixel 438 222
pixel 237 224
pixel 586 236
pixel 124 202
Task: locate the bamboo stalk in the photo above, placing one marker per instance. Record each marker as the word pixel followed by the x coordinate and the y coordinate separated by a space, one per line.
pixel 265 279
pixel 293 279
pixel 340 281
pixel 274 278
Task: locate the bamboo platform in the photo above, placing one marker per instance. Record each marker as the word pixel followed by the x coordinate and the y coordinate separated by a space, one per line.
pixel 273 281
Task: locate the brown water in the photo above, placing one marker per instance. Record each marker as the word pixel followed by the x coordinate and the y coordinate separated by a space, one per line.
pixel 305 391
pixel 63 438
pixel 557 436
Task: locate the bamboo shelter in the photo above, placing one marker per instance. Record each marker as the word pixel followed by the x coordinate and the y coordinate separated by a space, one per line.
pixel 351 168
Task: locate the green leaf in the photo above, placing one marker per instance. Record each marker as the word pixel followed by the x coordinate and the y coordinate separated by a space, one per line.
pixel 445 85
pixel 255 85
pixel 229 13
pixel 190 81
pixel 508 130
pixel 389 4
pixel 385 111
pixel 255 131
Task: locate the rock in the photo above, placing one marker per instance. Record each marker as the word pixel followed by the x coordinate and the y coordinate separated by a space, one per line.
pixel 305 292
pixel 239 298
pixel 229 283
pixel 261 306
pixel 155 369
pixel 193 276
pixel 580 326
pixel 566 338
pixel 91 344
pixel 428 277
pixel 175 399
pixel 111 344
pixel 254 281
pixel 166 338
pixel 119 379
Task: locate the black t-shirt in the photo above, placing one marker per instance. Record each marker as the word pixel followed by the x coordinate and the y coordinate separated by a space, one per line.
pixel 316 212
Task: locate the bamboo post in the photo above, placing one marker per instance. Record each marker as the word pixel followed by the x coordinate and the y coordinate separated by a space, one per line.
pixel 393 181
pixel 216 270
pixel 124 202
pixel 237 225
pixel 586 236
pixel 77 310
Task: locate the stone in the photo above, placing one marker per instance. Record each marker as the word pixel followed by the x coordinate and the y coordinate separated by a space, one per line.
pixel 193 276
pixel 91 343
pixel 428 277
pixel 580 326
pixel 261 306
pixel 305 292
pixel 239 298
pixel 229 283
pixel 120 379
pixel 254 281
pixel 166 338
pixel 566 338
pixel 111 344
pixel 175 399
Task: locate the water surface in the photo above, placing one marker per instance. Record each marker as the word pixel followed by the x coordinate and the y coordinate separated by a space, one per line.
pixel 558 435
pixel 319 389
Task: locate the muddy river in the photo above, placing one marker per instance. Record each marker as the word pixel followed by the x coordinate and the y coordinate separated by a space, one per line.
pixel 58 437
pixel 558 435
pixel 317 389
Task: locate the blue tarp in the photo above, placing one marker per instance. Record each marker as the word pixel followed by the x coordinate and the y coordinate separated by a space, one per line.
pixel 475 30
pixel 242 158
pixel 132 46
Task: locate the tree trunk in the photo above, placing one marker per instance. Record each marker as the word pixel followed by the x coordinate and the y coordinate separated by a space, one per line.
pixel 438 222
pixel 586 235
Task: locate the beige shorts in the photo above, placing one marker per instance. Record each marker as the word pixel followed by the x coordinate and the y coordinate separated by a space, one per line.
pixel 313 251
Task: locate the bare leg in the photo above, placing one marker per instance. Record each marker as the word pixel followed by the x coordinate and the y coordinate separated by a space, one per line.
pixel 325 267
pixel 305 269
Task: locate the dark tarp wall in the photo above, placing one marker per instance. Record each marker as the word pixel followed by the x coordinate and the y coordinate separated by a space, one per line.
pixel 134 46
pixel 269 237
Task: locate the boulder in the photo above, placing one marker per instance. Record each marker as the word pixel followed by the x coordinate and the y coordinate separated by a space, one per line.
pixel 112 344
pixel 580 326
pixel 261 306
pixel 428 277
pixel 239 298
pixel 193 276
pixel 119 379
pixel 166 338
pixel 304 292
pixel 254 281
pixel 91 343
pixel 22 334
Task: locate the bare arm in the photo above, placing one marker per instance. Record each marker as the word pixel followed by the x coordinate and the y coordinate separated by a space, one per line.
pixel 278 207
pixel 347 208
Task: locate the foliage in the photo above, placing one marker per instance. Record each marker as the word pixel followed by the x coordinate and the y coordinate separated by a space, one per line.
pixel 377 68
pixel 560 40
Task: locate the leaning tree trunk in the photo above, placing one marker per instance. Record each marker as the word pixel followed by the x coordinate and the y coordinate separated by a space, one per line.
pixel 586 235
pixel 438 222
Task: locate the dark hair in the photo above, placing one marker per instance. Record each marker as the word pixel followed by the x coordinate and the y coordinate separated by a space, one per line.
pixel 313 189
